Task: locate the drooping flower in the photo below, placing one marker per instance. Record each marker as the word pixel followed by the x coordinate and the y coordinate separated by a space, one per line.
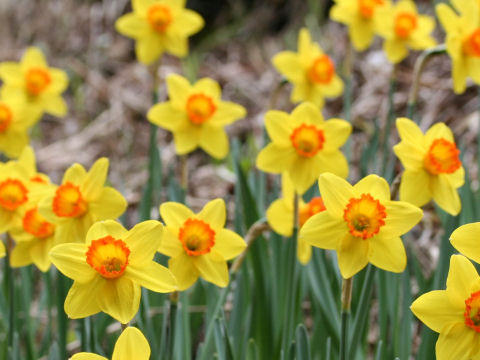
pixel 198 244
pixel 304 145
pixel 359 16
pixel 280 216
pixel 35 84
pixel 159 26
pixel 131 344
pixel 454 312
pixel 403 28
pixel 110 267
pixel 81 200
pixel 433 169
pixel 196 115
pixel 361 223
pixel 311 72
pixel 463 40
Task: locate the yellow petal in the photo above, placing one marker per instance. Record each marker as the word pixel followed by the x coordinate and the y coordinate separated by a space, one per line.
pixel 275 159
pixel 438 131
pixel 93 182
pixel 212 271
pixel 401 217
pixel 153 276
pixel 304 171
pixel 304 252
pixel 333 162
pixel 74 174
pixel 459 76
pixel 33 57
pixel 288 64
pixel 342 13
pixel 409 131
pixel 227 112
pixel 143 240
pixel 176 45
pixel 178 90
pixel 228 244
pixel 184 271
pixel 415 187
pixel 387 253
pixel 148 49
pixel 214 141
pixel 20 255
pixel 82 299
pixel 333 89
pixel 279 127
pixel 166 116
pixel 141 6
pixel 361 34
pixel 11 73
pixel 465 240
pixel 462 280
pixel 39 253
pixel 120 298
pixel 352 255
pixel 214 214
pixel 336 193
pixel 171 245
pixel 323 231
pixel 447 17
pixel 87 356
pixel 308 113
pixel 457 342
pixel 71 260
pixel 55 105
pixel 457 179
pixel 109 205
pixel 445 195
pixel 131 344
pixel 59 81
pixel 435 310
pixel 395 49
pixel 27 160
pixel 280 217
pixel 187 140
pixel 469 9
pixel 105 228
pixel 188 22
pixel 336 132
pixel 175 214
pixel 132 25
pixel 375 186
pixel 2 249
pixel 473 66
pixel 208 87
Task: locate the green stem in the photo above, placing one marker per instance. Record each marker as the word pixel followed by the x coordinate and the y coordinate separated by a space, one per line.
pixel 61 317
pixel 346 302
pixel 172 321
pixel 347 95
pixel 478 134
pixel 10 276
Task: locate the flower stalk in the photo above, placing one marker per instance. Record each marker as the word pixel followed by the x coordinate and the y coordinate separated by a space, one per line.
pixel 346 299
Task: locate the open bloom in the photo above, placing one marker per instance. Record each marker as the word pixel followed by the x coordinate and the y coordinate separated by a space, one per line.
pixel 81 200
pixel 131 344
pixel 463 40
pixel 35 84
pixel 159 26
pixel 403 28
pixel 196 115
pixel 311 72
pixel 304 145
pixel 109 268
pixel 359 16
pixel 361 223
pixel 198 244
pixel 454 312
pixel 280 216
pixel 432 166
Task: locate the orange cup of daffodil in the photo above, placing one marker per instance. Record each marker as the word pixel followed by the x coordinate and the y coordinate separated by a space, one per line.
pixel 109 268
pixel 198 244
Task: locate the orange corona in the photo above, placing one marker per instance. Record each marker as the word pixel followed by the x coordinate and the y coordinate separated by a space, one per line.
pixel 405 23
pixel 200 108
pixel 367 7
pixel 471 46
pixel 442 157
pixel 307 140
pixel 197 237
pixel 12 194
pixel 159 16
pixel 37 225
pixel 322 70
pixel 108 256
pixel 472 311
pixel 68 201
pixel 364 216
pixel 37 80
pixel 313 207
pixel 5 117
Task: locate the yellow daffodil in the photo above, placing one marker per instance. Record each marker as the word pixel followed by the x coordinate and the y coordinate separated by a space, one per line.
pixel 35 84
pixel 360 17
pixel 130 345
pixel 432 165
pixel 81 200
pixel 304 145
pixel 463 40
pixel 280 216
pixel 465 240
pixel 454 312
pixel 159 26
pixel 311 72
pixel 196 115
pixel 198 244
pixel 361 223
pixel 109 268
pixel 403 28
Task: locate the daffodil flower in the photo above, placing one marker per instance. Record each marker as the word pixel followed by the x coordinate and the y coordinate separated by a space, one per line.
pixel 110 267
pixel 454 312
pixel 361 223
pixel 311 72
pixel 465 240
pixel 196 115
pixel 304 145
pixel 433 169
pixel 159 26
pixel 198 244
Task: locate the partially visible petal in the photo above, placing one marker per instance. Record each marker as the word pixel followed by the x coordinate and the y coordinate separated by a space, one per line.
pixel 439 131
pixel 228 244
pixel 166 116
pixel 275 159
pixel 208 87
pixel 214 141
pixel 323 231
pixel 188 22
pixel 132 25
pixel 184 271
pixel 74 174
pixel 215 272
pixel 109 205
pixel 352 253
pixel 87 356
pixel 227 112
pixel 93 182
pixel 375 186
pixel 153 276
pixel 336 193
pixel 395 49
pixel 187 140
pixel 465 240
pixel 456 342
pixel 148 49
pixel 445 195
pixel 82 299
pixel 280 217
pixel 462 277
pixel 288 64
pixel 415 187
pixel 401 217
pixel 214 213
pixel 120 298
pixel 337 132
pixel 279 127
pixel 171 245
pixel 333 162
pixel 387 253
pixel 105 228
pixel 304 252
pixel 304 171
pixel 131 344
pixel 71 260
pixel 143 240
pixel 55 105
pixel 175 214
pixel 33 57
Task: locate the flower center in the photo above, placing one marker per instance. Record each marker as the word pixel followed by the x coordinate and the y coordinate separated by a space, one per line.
pixel 472 311
pixel 405 23
pixel 442 157
pixel 37 80
pixel 68 201
pixel 364 216
pixel 12 194
pixel 159 16
pixel 108 256
pixel 197 237
pixel 37 225
pixel 471 46
pixel 200 108
pixel 307 140
pixel 313 207
pixel 367 7
pixel 5 117
pixel 322 70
